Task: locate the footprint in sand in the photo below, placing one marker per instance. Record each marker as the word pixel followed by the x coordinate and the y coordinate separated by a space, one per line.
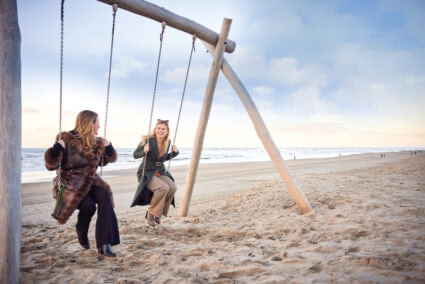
pixel 327 249
pixel 150 243
pixel 293 244
pixel 316 268
pixel 358 234
pixel 135 247
pixel 195 252
pixel 352 249
pixel 276 258
pixel 242 272
pixel 205 267
pixel 45 260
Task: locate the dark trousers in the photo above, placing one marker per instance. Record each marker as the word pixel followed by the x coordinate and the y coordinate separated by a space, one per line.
pixel 106 225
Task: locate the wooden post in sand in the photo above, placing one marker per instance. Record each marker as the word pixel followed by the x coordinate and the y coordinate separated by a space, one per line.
pixel 160 14
pixel 205 113
pixel 263 133
pixel 10 142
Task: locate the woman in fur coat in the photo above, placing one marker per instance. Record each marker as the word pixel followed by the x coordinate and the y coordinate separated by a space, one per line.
pixel 78 153
pixel 156 187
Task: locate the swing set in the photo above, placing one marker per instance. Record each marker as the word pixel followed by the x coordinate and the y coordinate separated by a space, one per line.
pixel 216 47
pixel 10 122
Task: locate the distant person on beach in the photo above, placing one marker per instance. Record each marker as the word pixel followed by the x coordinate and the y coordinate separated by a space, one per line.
pixel 156 186
pixel 78 153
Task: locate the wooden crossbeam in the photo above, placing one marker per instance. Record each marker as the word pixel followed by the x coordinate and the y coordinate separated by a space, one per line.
pixel 159 14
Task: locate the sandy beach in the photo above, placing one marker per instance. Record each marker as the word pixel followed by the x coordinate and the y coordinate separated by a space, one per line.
pixel 367 226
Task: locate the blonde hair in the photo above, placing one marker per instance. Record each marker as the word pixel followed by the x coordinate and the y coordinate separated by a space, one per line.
pixel 85 126
pixel 153 134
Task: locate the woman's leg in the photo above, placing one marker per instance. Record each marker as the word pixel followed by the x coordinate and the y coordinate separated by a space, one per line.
pixel 107 231
pixel 160 190
pixel 170 195
pixel 87 209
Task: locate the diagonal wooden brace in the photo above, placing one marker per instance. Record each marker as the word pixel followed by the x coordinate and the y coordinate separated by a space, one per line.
pixel 263 133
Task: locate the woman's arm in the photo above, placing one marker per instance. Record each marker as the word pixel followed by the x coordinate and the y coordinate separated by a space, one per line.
pixel 139 152
pixel 110 155
pixel 173 154
pixel 54 155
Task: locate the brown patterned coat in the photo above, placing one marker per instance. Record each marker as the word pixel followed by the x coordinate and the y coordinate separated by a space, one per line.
pixel 78 170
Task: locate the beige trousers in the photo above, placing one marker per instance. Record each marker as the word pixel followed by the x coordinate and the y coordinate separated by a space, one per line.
pixel 163 189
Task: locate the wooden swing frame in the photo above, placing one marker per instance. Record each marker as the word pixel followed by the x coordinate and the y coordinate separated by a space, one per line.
pixel 217 44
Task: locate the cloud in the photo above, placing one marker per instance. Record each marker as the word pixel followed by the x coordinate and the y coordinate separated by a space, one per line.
pixel 286 70
pixel 198 74
pixel 262 90
pixel 30 110
pixel 314 127
pixel 174 76
pixel 248 62
pixel 411 79
pixel 278 24
pixel 125 65
pixel 307 100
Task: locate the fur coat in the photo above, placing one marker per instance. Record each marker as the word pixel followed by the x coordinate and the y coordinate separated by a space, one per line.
pixel 78 170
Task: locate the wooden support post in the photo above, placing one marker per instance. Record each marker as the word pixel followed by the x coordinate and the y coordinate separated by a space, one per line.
pixel 205 113
pixel 10 142
pixel 263 133
pixel 159 14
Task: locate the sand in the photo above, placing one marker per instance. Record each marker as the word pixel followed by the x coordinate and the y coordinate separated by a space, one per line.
pixel 367 225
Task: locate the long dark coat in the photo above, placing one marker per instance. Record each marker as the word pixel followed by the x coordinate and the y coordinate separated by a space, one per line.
pixel 143 195
pixel 78 171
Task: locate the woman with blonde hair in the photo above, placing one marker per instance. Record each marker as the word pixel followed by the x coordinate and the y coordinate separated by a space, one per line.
pixel 156 186
pixel 77 154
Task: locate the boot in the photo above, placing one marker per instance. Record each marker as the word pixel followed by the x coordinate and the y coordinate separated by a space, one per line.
pixel 106 251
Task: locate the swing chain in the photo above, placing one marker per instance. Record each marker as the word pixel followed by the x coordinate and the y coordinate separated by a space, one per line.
pixel 114 13
pixel 59 169
pixel 161 37
pixel 163 25
pixel 181 102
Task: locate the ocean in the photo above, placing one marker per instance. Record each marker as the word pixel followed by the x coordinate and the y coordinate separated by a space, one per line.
pixel 34 170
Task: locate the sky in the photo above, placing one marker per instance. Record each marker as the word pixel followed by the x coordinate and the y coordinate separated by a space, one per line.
pixel 321 73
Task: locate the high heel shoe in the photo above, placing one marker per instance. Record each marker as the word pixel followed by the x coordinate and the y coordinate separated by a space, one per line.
pixel 150 219
pixel 157 220
pixel 106 250
pixel 84 241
